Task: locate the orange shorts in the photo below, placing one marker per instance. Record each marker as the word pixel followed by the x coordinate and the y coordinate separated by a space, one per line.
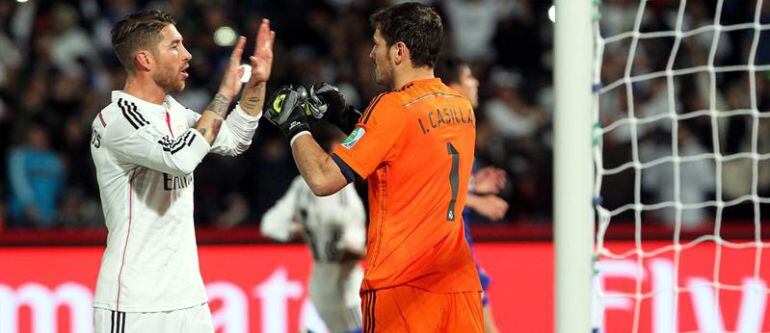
pixel 409 309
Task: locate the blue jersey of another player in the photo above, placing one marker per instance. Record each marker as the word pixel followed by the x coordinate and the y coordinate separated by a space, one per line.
pixel 470 215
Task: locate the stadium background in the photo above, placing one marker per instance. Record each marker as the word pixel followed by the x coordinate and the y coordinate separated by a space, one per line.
pixel 57 71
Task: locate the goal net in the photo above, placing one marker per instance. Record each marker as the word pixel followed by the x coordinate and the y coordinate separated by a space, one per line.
pixel 682 162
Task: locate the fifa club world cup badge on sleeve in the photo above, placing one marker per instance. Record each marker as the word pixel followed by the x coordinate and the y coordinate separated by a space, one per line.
pixel 354 136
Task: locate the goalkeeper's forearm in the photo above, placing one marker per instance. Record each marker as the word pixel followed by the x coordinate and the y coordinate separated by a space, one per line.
pixel 320 172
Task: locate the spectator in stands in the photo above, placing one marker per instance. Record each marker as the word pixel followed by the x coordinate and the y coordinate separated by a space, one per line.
pixel 472 25
pixel 36 178
pixel 508 111
pixel 696 180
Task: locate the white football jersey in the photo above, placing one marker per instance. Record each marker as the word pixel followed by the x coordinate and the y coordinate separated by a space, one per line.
pixel 145 155
pixel 329 225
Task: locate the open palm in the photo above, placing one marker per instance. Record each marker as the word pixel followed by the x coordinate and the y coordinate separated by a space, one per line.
pixel 262 60
pixel 231 81
pixel 253 96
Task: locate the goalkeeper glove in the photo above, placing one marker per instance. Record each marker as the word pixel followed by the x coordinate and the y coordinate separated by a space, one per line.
pixel 326 102
pixel 287 110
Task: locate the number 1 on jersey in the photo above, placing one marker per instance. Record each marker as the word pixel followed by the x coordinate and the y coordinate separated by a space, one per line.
pixel 454 179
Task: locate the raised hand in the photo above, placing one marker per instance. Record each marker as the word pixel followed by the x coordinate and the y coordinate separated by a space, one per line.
pixel 262 59
pixel 489 180
pixel 253 95
pixel 490 206
pixel 231 81
pixel 326 102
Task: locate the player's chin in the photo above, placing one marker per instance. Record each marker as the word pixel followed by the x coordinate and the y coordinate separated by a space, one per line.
pixel 179 86
pixel 381 79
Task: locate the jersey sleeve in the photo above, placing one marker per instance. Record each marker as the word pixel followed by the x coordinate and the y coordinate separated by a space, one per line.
pixel 132 139
pixel 235 134
pixel 376 138
pixel 277 221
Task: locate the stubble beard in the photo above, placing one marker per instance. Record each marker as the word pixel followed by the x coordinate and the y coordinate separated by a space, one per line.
pixel 383 77
pixel 169 82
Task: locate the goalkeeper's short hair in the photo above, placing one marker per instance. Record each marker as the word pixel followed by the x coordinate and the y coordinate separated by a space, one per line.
pixel 416 25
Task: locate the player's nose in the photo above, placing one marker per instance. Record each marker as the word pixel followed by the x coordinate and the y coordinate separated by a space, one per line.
pixel 186 55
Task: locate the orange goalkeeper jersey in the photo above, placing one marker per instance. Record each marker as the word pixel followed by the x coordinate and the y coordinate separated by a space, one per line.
pixel 415 146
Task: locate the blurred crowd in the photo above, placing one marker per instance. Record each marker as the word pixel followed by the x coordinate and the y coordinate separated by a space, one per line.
pixel 57 71
pixel 695 114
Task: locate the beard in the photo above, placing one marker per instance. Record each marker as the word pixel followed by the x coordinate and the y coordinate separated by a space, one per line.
pixel 169 81
pixel 383 72
pixel 383 76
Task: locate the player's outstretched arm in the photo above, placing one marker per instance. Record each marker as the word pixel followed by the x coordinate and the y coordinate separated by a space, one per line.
pixel 211 119
pixel 488 205
pixel 286 110
pixel 132 139
pixel 318 168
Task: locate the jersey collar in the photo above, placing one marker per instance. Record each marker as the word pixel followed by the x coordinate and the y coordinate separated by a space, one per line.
pixel 419 82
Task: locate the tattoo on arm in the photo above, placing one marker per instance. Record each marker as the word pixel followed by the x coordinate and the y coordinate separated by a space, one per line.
pixel 219 105
pixel 202 131
pixel 252 103
pixel 215 126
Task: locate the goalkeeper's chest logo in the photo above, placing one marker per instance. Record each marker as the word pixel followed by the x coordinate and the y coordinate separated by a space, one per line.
pixel 354 136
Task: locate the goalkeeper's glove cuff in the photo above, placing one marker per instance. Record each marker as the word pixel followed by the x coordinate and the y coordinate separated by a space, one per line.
pixel 296 136
pixel 295 128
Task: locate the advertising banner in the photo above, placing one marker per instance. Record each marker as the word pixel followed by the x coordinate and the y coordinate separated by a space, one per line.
pixel 263 288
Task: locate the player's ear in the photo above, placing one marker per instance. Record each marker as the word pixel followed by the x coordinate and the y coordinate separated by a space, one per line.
pixel 144 60
pixel 401 53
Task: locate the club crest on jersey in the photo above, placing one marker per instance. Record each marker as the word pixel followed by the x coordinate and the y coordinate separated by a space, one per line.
pixel 354 136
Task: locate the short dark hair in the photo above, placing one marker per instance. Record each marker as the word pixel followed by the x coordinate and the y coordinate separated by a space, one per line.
pixel 138 31
pixel 448 70
pixel 416 25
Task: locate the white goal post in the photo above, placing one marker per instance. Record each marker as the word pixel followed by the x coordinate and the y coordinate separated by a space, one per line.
pixel 573 165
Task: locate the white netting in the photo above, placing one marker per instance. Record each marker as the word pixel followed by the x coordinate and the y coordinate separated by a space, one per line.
pixel 682 145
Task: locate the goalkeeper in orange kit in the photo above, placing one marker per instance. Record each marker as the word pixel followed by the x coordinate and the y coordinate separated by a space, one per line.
pixel 414 145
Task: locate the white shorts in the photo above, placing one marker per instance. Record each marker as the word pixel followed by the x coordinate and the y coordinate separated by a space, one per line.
pixel 196 319
pixel 334 288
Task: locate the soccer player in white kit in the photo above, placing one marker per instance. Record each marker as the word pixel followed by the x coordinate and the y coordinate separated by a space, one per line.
pixel 334 228
pixel 145 146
